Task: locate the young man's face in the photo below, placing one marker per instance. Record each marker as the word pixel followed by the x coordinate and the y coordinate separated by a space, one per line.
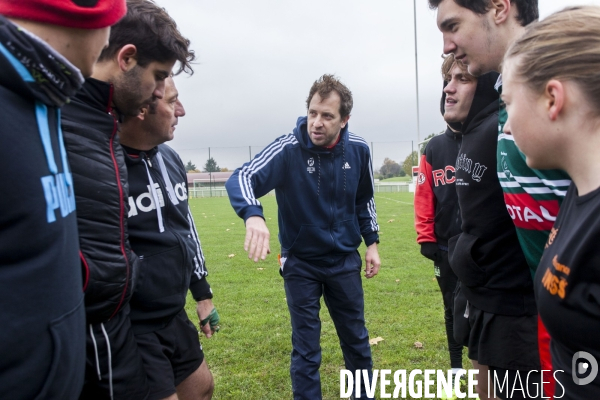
pixel 140 86
pixel 324 120
pixel 459 95
pixel 162 115
pixel 469 36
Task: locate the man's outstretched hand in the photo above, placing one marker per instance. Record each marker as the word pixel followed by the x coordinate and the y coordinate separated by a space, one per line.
pixel 257 238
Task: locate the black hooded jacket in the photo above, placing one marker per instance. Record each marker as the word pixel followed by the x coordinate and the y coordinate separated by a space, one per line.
pixel 487 256
pixel 42 323
pixel 164 237
pixel 90 128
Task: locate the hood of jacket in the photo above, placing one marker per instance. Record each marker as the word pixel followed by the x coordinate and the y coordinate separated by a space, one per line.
pixel 485 101
pixel 10 79
pixel 33 69
pixel 451 134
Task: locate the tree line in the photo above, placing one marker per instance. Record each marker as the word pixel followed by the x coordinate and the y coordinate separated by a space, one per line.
pixel 391 168
pixel 210 166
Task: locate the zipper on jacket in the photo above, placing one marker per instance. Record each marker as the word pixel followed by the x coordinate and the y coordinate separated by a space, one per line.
pixel 157 178
pixel 332 199
pixel 86 278
pixel 148 159
pixel 121 212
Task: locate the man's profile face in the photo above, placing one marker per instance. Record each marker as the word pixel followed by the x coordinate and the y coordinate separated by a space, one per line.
pixel 162 115
pixel 459 95
pixel 324 119
pixel 469 36
pixel 140 86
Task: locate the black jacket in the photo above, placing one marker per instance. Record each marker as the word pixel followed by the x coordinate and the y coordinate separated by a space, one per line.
pixel 165 239
pixel 486 256
pixel 437 215
pixel 42 322
pixel 90 130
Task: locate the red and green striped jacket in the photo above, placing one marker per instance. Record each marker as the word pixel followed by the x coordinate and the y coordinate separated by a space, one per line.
pixel 532 196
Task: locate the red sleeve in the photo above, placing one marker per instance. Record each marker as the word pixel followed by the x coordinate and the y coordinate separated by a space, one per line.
pixel 424 203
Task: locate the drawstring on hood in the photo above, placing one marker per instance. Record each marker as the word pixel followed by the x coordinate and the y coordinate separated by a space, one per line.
pixel 110 377
pixel 301 133
pixel 165 176
pixel 110 380
pixel 145 158
pixel 41 115
pixel 161 227
pixel 96 353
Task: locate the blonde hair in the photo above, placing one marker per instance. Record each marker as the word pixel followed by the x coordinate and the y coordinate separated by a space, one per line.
pixel 563 46
pixel 448 65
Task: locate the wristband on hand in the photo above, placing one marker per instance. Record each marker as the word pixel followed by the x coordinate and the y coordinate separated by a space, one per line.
pixel 213 319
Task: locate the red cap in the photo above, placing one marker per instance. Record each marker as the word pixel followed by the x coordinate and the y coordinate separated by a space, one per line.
pixel 83 14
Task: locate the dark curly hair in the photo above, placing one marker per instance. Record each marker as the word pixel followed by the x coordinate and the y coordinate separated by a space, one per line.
pixel 325 85
pixel 155 35
pixel 527 10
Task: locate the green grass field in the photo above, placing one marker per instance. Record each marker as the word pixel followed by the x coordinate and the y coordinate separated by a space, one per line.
pixel 249 357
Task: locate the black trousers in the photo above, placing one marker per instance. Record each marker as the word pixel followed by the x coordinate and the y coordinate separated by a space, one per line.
pixel 447 282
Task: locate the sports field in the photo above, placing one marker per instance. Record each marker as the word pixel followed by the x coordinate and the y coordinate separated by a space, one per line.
pixel 249 357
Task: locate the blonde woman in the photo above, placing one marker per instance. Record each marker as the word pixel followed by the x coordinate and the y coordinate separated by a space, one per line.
pixel 552 92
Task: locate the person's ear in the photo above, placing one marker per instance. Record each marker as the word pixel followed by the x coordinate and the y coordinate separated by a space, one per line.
pixel 126 57
pixel 554 98
pixel 345 121
pixel 142 114
pixel 501 10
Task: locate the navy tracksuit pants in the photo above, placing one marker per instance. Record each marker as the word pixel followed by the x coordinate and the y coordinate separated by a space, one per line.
pixel 341 286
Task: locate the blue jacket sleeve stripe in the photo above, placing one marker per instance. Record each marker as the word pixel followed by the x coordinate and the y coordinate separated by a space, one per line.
pixel 245 176
pixel 353 138
pixel 371 205
pixel 373 214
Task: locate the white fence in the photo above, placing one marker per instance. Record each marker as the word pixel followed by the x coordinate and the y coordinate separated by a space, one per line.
pixel 400 187
pixel 207 192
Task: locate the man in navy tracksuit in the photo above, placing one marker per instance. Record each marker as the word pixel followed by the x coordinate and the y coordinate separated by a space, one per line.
pixel 323 182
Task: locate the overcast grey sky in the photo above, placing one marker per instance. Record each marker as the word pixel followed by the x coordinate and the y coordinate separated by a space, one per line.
pixel 256 61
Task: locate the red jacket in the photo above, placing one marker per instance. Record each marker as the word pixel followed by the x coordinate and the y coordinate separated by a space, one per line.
pixel 437 216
